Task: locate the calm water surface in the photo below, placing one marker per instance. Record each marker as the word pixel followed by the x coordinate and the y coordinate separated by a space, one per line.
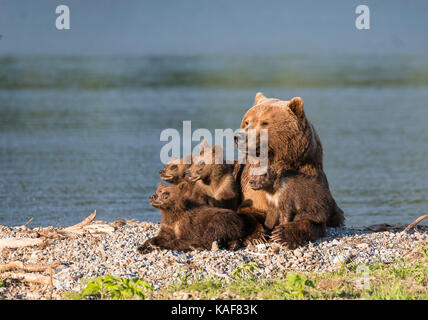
pixel 82 133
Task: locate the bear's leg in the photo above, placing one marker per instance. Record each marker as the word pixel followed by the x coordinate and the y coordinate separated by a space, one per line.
pixel 254 231
pixel 296 233
pixel 185 245
pixel 150 245
pixel 226 229
pixel 336 218
pixel 156 242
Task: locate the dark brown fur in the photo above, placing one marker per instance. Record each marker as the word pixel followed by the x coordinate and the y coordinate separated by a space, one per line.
pixel 293 144
pixel 296 199
pixel 175 170
pixel 186 226
pixel 213 180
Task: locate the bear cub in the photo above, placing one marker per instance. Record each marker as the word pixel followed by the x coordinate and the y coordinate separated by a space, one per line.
pixel 187 226
pixel 298 206
pixel 174 171
pixel 212 179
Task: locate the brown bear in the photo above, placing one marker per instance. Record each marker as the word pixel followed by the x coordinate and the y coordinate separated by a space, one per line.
pixel 186 226
pixel 294 198
pixel 293 144
pixel 212 179
pixel 174 171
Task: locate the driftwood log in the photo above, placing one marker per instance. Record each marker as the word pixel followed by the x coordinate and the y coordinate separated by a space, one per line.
pixel 32 278
pixel 396 227
pixel 14 243
pixel 26 267
pixel 414 223
pixel 32 273
pixel 84 226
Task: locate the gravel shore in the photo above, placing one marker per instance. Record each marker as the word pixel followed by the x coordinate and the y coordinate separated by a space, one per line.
pixel 89 255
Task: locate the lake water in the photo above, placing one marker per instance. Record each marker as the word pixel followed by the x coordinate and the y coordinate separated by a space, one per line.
pixel 82 133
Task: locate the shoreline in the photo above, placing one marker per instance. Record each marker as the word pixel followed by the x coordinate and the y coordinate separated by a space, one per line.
pixel 98 248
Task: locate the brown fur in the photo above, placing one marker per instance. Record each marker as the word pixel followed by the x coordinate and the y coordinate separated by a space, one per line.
pixel 213 181
pixel 174 171
pixel 297 233
pixel 186 226
pixel 293 144
pixel 294 197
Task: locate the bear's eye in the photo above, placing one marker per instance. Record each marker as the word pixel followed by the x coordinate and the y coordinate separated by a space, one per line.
pixel 265 123
pixel 166 194
pixel 246 122
pixel 174 167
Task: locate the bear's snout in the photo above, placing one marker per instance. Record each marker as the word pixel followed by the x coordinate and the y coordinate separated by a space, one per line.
pixel 154 196
pixel 162 172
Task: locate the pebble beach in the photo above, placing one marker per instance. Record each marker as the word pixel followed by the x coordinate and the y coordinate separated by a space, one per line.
pixel 111 250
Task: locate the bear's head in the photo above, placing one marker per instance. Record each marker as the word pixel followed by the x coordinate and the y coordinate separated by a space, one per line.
pixel 204 165
pixel 165 197
pixel 292 139
pixel 172 198
pixel 174 171
pixel 264 181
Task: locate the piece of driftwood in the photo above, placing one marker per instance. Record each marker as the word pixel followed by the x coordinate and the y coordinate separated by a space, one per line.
pixel 92 229
pixel 14 243
pixel 28 222
pixel 83 223
pixel 46 233
pixel 32 278
pixel 84 226
pixel 27 267
pixel 414 223
pixel 384 227
pixel 51 234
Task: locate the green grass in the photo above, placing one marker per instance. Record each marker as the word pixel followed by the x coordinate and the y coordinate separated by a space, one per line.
pixel 393 281
pixel 397 280
pixel 110 287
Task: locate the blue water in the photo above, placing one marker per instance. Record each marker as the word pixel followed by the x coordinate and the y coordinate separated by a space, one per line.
pixel 81 110
pixel 90 140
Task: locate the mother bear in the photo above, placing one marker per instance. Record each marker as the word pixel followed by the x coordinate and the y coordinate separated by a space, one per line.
pixel 293 144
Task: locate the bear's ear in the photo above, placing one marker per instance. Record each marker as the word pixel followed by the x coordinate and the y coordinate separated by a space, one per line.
pixel 183 186
pixel 204 146
pixel 160 186
pixel 259 97
pixel 296 105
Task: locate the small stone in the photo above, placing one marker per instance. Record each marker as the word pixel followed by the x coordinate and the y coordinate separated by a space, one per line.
pixel 363 246
pixel 298 253
pixel 119 223
pixel 214 246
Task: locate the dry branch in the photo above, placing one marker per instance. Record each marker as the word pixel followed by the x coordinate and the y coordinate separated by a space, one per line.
pixel 31 278
pixel 19 242
pixel 46 233
pixel 92 229
pixel 85 222
pixel 26 267
pixel 414 223
pixel 54 233
pixel 82 227
pixel 28 222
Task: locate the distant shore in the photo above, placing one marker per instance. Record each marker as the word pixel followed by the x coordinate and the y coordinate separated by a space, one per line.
pixel 59 259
